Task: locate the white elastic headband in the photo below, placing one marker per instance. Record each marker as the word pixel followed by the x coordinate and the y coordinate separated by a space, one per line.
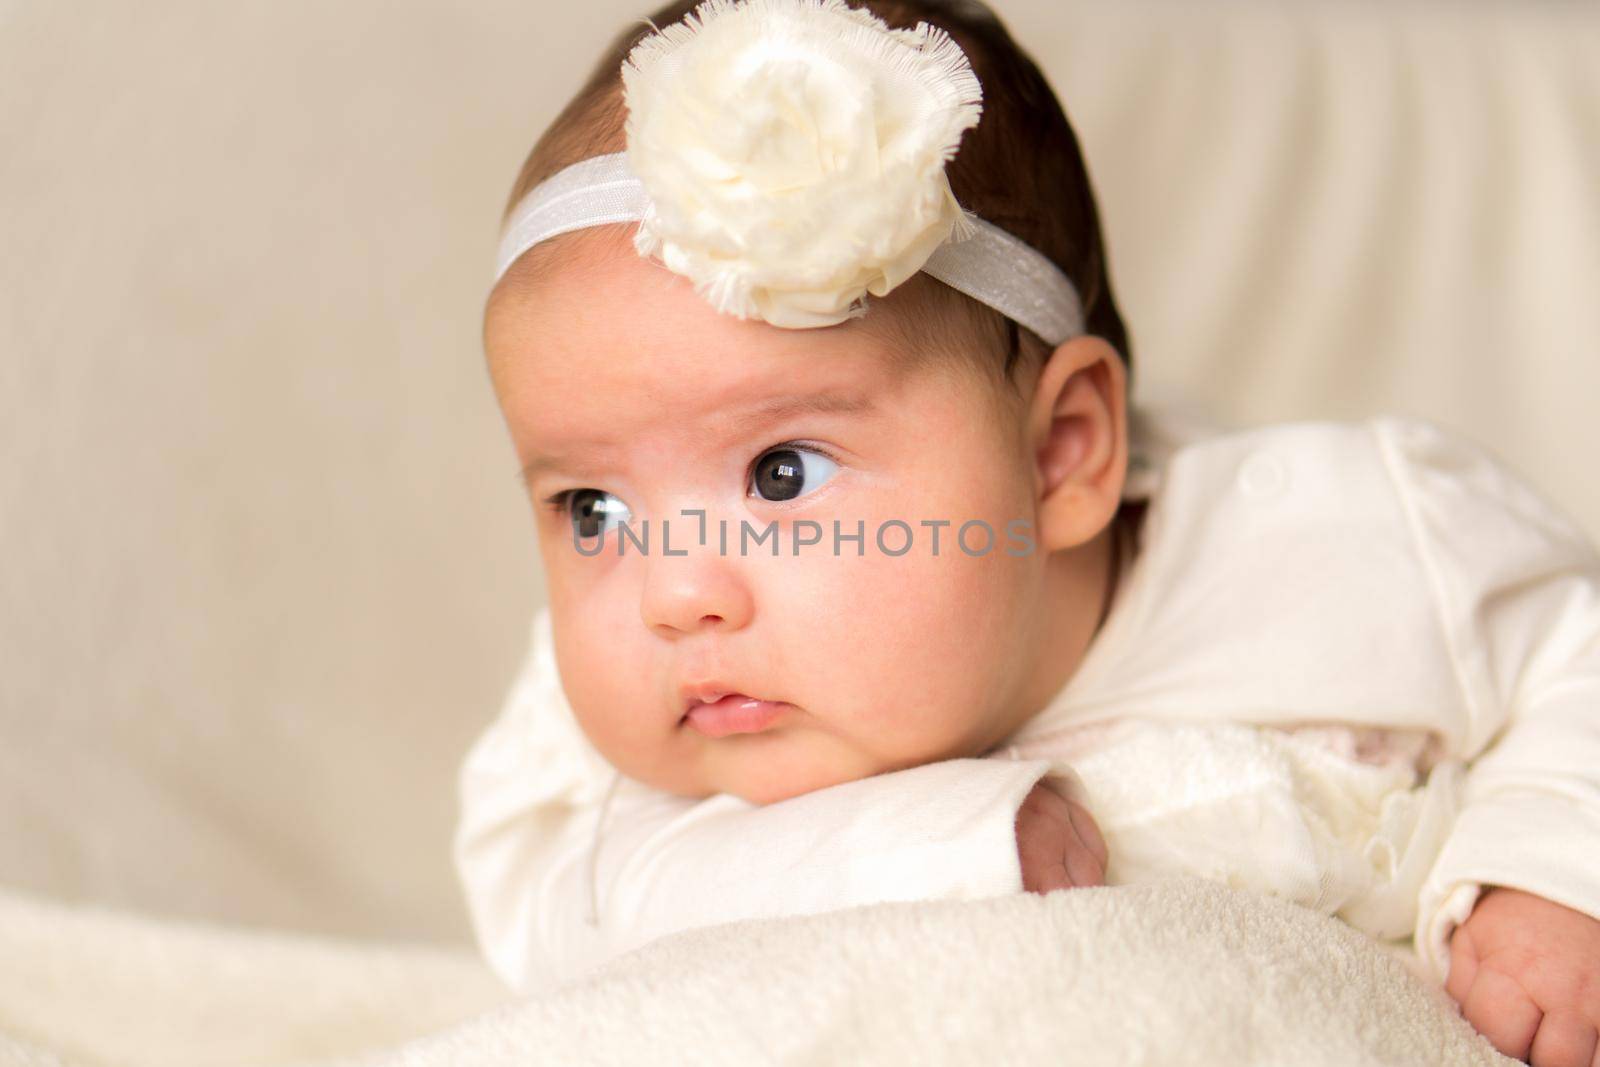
pixel 991 265
pixel 789 158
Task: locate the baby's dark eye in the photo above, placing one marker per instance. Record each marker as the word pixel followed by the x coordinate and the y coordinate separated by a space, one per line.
pixel 786 473
pixel 591 512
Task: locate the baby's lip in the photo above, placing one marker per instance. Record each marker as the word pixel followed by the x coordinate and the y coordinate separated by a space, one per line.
pixel 695 694
pixel 734 713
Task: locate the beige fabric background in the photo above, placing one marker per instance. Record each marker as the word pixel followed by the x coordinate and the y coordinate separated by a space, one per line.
pixel 264 569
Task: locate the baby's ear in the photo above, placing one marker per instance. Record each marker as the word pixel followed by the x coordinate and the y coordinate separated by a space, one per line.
pixel 1078 430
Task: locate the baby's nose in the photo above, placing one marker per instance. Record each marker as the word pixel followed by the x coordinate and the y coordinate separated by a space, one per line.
pixel 697 590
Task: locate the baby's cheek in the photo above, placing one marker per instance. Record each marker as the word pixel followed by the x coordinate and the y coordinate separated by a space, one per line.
pixel 916 643
pixel 612 706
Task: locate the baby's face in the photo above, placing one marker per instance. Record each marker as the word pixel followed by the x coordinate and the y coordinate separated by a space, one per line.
pixel 623 389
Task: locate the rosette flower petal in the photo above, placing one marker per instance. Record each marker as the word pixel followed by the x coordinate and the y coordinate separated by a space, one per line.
pixel 793 153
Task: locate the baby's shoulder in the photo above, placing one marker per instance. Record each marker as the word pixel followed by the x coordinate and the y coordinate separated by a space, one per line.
pixel 1347 446
pixel 1386 447
pixel 1361 475
pixel 1318 470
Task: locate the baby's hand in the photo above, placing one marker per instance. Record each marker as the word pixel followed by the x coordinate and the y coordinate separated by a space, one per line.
pixel 1526 972
pixel 1058 843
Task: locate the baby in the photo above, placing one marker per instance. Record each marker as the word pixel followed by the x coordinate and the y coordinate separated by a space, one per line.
pixel 865 584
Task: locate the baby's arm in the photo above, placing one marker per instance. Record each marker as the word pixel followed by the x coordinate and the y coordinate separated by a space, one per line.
pixel 1518 589
pixel 532 791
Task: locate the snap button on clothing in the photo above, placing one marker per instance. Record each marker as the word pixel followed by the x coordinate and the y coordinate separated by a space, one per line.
pixel 1262 475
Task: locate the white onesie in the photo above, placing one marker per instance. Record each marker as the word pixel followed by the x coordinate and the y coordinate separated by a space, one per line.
pixel 1355 664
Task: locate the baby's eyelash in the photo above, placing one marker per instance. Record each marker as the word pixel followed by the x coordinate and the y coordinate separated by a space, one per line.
pixel 558 503
pixel 799 446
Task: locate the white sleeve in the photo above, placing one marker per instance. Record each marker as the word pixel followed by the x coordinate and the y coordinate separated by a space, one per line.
pixel 550 895
pixel 1518 587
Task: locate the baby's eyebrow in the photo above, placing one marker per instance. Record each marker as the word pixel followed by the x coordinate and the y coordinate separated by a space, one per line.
pixel 745 420
pixel 784 407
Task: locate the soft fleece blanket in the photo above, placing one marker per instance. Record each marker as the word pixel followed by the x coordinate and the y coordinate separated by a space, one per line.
pixel 1181 971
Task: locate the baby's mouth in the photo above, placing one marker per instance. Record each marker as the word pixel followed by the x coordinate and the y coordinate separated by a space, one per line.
pixel 734 713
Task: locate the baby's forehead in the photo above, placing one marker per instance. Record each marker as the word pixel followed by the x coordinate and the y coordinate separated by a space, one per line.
pixel 587 308
pixel 613 362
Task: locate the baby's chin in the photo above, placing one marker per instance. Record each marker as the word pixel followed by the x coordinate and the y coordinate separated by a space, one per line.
pixel 782 764
pixel 769 789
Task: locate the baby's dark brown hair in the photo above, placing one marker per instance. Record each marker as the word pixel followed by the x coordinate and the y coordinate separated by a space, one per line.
pixel 1020 168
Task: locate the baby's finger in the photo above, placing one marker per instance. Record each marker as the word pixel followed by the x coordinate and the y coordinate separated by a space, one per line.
pixel 1045 877
pixel 1083 867
pixel 1042 866
pixel 1463 965
pixel 1046 800
pixel 1088 832
pixel 1501 1010
pixel 1563 1041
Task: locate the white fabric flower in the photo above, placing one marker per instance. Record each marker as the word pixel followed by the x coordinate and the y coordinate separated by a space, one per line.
pixel 794 151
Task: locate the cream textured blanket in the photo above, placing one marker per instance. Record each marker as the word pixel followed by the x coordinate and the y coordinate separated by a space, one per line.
pixel 1175 972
